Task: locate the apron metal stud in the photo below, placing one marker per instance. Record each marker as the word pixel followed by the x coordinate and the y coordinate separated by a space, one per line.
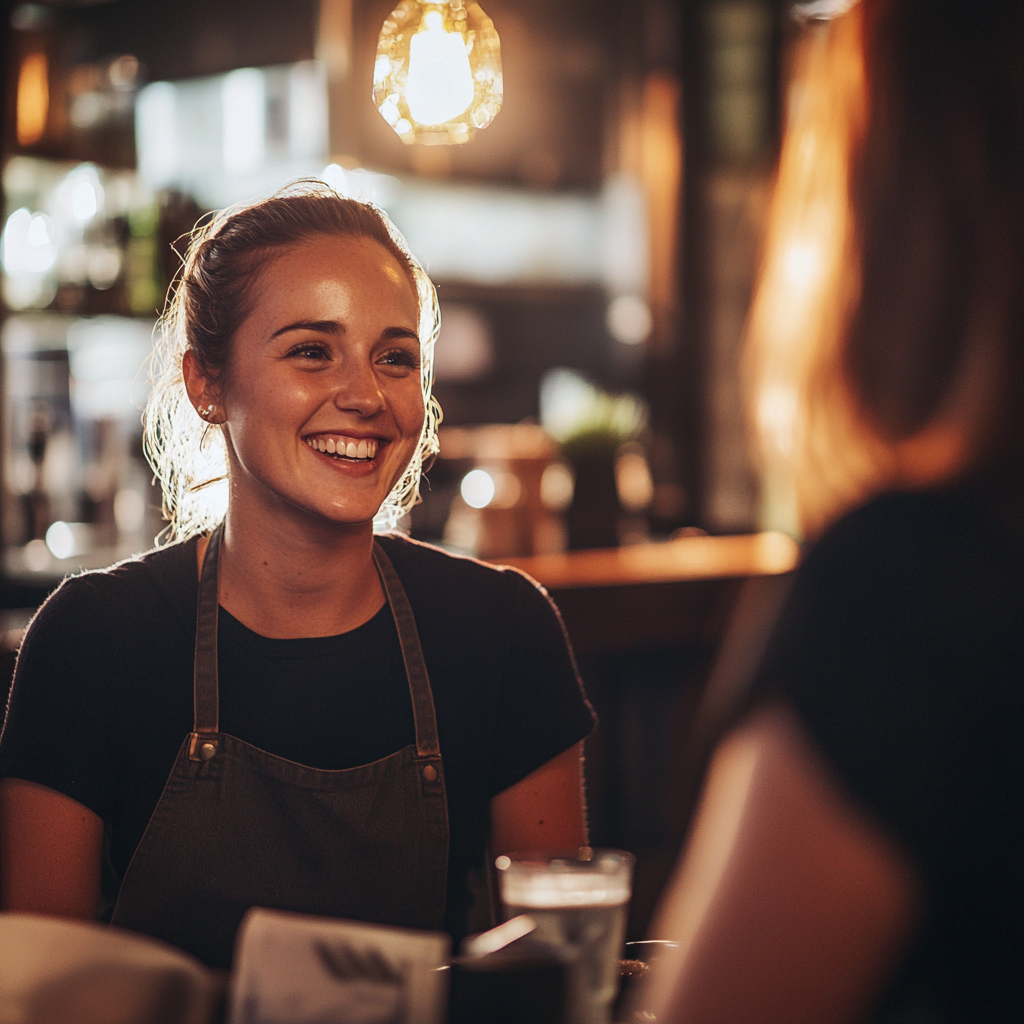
pixel 430 773
pixel 207 750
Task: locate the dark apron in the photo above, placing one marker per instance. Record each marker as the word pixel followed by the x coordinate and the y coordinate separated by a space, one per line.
pixel 237 827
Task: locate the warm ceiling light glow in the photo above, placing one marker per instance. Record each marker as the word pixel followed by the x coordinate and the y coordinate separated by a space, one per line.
pixel 437 76
pixel 440 83
pixel 33 98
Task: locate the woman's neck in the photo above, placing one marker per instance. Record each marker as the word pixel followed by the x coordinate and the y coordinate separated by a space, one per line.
pixel 284 579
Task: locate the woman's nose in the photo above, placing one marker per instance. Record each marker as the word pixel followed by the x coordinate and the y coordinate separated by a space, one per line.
pixel 358 390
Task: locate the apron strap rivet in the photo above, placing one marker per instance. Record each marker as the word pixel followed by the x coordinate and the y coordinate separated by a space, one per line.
pixel 430 773
pixel 202 748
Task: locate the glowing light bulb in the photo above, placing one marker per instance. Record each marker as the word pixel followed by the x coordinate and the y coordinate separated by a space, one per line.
pixel 437 73
pixel 440 83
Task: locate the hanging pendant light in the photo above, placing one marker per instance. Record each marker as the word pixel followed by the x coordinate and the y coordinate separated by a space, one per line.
pixel 437 76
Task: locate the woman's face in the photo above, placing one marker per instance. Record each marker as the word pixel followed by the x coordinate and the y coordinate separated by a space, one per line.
pixel 322 403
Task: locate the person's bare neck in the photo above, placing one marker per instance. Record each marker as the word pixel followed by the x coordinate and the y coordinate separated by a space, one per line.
pixel 287 579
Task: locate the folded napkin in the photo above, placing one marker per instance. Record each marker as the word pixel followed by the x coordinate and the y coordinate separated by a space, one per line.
pixel 55 971
pixel 298 969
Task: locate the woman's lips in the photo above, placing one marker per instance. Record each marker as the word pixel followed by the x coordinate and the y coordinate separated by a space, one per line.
pixel 363 449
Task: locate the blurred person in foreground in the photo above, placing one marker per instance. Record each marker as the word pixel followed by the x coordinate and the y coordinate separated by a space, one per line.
pixel 857 853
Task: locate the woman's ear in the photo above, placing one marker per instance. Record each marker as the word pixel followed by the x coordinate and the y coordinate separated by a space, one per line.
pixel 202 392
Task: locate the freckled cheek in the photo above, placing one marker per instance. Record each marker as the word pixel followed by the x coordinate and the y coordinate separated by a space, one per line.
pixel 410 412
pixel 270 416
pixel 289 403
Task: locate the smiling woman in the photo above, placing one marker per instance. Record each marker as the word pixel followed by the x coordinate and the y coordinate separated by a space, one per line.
pixel 277 707
pixel 327 358
pixel 225 268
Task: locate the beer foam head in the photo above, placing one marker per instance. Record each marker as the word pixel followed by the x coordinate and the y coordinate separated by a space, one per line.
pixel 524 886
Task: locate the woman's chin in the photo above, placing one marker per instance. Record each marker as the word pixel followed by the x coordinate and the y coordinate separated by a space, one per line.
pixel 313 514
pixel 318 500
pixel 346 517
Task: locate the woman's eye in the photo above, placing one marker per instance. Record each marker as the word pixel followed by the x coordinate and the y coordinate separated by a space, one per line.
pixel 309 353
pixel 400 357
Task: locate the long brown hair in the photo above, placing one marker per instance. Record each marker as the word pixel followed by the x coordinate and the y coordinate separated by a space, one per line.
pixel 885 337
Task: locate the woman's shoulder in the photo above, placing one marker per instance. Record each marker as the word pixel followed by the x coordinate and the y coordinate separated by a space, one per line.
pixel 498 658
pixel 910 601
pixel 913 537
pixel 144 588
pixel 455 597
pixel 453 576
pixel 895 517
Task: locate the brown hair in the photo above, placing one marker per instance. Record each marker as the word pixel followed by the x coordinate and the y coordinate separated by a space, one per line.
pixel 209 300
pixel 885 338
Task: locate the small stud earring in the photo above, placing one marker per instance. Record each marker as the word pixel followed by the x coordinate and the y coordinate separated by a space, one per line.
pixel 207 411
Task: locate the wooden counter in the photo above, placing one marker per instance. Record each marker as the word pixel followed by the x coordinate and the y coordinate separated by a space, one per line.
pixel 669 593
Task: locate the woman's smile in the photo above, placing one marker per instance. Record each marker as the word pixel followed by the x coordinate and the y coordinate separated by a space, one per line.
pixel 349 448
pixel 352 456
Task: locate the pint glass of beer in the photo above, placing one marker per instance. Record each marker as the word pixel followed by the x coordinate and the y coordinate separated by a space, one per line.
pixel 578 899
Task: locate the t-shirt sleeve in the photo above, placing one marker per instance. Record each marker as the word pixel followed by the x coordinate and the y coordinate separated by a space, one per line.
pixel 542 709
pixel 56 728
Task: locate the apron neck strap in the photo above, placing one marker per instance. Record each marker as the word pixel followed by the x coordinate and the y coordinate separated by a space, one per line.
pixel 427 744
pixel 205 688
pixel 205 684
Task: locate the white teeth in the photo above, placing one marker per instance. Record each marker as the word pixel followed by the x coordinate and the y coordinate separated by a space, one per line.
pixel 364 449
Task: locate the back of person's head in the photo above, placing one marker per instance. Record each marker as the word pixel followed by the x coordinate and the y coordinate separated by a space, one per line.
pixel 211 297
pixel 885 339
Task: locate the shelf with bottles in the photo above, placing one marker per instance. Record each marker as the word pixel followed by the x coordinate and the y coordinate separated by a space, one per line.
pixel 77 492
pixel 86 257
pixel 81 239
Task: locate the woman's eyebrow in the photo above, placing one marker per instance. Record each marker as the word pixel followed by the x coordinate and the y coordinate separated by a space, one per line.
pixel 399 332
pixel 321 326
pixel 333 327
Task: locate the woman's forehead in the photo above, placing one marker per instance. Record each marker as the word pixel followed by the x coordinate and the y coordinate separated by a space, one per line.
pixel 344 251
pixel 323 266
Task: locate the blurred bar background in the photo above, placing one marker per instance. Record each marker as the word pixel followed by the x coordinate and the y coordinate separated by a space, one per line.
pixel 594 251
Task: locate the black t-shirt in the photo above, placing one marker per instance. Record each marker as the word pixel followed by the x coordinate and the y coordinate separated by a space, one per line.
pixel 901 648
pixel 102 695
